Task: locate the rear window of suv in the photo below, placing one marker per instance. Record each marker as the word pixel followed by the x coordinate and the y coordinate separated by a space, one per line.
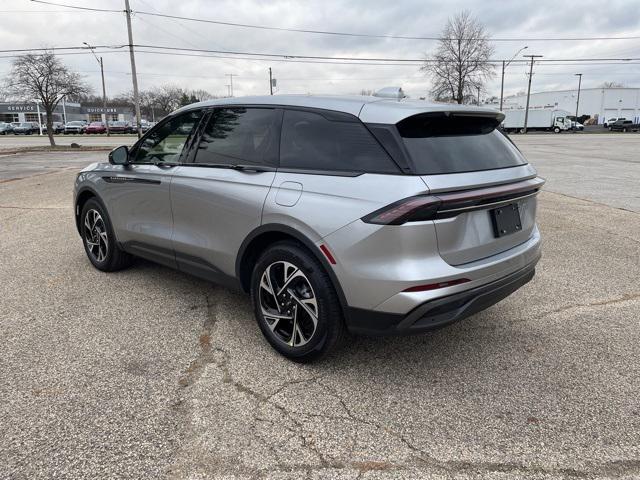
pixel 310 141
pixel 440 143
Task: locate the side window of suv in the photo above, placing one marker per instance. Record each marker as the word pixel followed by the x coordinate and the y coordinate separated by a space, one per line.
pixel 240 136
pixel 165 143
pixel 312 142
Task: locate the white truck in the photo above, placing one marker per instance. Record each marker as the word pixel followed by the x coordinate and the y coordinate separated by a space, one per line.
pixel 539 119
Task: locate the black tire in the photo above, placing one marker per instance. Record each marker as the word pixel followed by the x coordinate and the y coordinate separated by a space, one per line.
pixel 115 258
pixel 556 130
pixel 329 330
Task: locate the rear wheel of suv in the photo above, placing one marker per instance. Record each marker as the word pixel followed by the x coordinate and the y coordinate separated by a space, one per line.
pixel 295 303
pixel 99 240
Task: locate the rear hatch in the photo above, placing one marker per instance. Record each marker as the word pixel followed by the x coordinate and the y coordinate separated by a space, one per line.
pixel 488 190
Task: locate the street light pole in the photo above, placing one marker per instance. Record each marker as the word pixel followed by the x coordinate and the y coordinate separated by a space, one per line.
pixel 505 65
pixel 104 90
pixel 526 112
pixel 270 82
pixel 579 75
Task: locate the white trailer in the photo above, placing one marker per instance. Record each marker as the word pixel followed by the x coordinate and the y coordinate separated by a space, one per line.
pixel 539 119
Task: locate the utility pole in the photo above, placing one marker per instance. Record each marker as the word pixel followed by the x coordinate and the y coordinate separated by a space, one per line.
pixel 270 82
pixel 231 75
pixel 502 85
pixel 579 75
pixel 478 95
pixel 505 65
pixel 526 112
pixel 134 76
pixel 104 90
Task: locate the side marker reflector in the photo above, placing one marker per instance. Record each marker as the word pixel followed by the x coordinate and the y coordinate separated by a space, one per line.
pixel 435 286
pixel 327 254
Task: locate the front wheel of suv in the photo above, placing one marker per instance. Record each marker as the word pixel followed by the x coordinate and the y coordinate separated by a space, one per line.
pixel 99 240
pixel 295 303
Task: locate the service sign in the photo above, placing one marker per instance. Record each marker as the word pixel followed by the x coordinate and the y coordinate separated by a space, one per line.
pixel 24 107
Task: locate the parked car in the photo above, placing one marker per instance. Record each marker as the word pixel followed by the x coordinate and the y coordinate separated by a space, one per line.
pixel 612 120
pixel 144 126
pixel 96 127
pixel 577 126
pixel 57 127
pixel 26 128
pixel 119 127
pixel 369 215
pixel 15 124
pixel 77 127
pixel 5 128
pixel 623 126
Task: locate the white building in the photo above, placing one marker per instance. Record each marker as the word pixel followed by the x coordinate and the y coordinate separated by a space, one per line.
pixel 601 102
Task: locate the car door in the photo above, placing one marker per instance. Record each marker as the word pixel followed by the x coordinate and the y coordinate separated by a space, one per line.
pixel 218 195
pixel 138 194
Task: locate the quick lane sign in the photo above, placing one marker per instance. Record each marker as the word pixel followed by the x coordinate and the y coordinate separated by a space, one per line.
pixel 101 110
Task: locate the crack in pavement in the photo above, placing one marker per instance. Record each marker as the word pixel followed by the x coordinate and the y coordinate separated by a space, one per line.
pixel 205 356
pixel 309 444
pixel 295 426
pixel 594 202
pixel 627 297
pixel 12 207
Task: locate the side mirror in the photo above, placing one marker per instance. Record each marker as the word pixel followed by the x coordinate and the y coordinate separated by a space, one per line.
pixel 119 155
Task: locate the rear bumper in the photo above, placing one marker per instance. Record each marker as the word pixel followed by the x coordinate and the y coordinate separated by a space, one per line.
pixel 439 312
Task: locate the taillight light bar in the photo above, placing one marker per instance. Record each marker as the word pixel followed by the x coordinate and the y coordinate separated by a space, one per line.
pixel 407 210
pixel 444 205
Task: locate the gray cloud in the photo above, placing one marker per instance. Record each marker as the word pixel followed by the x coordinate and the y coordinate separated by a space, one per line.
pixel 30 28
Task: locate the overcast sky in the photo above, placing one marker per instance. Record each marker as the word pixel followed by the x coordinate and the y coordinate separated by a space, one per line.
pixel 30 25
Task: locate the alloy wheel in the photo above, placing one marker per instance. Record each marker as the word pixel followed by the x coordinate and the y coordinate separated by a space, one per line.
pixel 288 303
pixel 95 235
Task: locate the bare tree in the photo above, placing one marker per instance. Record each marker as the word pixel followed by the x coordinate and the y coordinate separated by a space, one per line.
pixel 461 62
pixel 612 85
pixel 167 98
pixel 160 101
pixel 201 95
pixel 46 79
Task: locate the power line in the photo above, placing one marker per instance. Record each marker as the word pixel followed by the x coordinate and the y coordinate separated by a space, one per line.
pixel 334 33
pixel 299 58
pixel 364 59
pixel 76 7
pixel 280 59
pixel 51 49
pixel 368 35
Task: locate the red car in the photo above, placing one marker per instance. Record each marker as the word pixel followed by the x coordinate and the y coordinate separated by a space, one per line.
pixel 96 127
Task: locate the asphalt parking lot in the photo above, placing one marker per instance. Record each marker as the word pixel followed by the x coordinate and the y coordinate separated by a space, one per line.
pixel 149 373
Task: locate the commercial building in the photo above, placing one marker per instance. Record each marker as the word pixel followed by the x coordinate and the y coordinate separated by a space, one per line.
pixel 600 103
pixel 64 112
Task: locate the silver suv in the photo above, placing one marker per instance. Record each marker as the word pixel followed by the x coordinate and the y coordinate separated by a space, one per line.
pixel 358 214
